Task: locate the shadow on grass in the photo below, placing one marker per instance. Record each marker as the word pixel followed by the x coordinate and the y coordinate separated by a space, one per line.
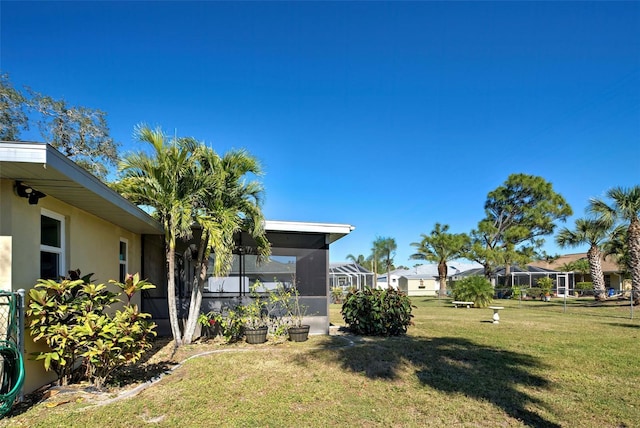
pixel 140 372
pixel 454 365
pixel 629 325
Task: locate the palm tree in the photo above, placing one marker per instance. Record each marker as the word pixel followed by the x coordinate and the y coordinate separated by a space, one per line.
pixel 441 247
pixel 592 232
pixel 365 262
pixel 625 207
pixel 581 266
pixel 167 182
pixel 618 247
pixel 385 249
pixel 232 206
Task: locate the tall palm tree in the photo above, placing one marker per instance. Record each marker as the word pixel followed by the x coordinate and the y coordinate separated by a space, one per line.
pixel 592 232
pixel 385 249
pixel 441 247
pixel 166 181
pixel 625 206
pixel 232 205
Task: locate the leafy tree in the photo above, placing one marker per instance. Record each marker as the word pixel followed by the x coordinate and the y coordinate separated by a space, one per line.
pixel 385 250
pixel 594 233
pixel 231 205
pixel 625 207
pixel 80 133
pixel 518 215
pixel 441 247
pixel 166 180
pixel 13 110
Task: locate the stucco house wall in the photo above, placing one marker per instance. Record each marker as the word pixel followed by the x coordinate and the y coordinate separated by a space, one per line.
pixel 90 244
pixel 94 220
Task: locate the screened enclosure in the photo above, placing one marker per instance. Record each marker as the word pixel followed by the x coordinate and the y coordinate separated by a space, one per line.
pixel 297 257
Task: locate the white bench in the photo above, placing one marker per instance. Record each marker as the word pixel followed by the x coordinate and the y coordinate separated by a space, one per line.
pixel 457 304
pixel 496 317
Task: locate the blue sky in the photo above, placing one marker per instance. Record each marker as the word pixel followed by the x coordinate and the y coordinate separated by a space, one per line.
pixel 387 116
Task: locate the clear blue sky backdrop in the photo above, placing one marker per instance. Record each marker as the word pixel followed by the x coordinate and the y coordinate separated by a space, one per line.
pixel 387 116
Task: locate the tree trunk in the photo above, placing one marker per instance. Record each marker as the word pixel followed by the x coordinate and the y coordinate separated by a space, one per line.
pixel 633 241
pixel 507 275
pixel 442 275
pixel 593 255
pixel 171 293
pixel 196 294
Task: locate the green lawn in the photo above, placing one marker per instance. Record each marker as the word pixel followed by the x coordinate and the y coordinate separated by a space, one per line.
pixel 539 367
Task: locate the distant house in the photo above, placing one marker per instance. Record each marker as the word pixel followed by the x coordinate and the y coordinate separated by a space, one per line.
pixel 564 281
pixel 350 275
pixel 422 280
pixel 613 275
pixel 55 217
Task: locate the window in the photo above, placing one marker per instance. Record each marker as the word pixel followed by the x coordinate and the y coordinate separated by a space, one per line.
pixel 51 245
pixel 124 244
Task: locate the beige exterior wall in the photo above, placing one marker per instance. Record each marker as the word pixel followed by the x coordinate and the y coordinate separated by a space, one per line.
pixel 413 286
pixel 91 244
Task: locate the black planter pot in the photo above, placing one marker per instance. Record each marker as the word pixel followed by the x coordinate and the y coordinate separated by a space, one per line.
pixel 299 334
pixel 255 336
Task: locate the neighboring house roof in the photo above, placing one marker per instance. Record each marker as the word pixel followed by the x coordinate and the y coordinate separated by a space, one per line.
pixel 609 263
pixel 430 270
pixel 501 271
pixel 348 269
pixel 45 169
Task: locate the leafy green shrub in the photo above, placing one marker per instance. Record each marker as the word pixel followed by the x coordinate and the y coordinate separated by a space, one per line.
pixel 516 291
pixel 474 289
pixel 584 287
pixel 535 292
pixel 229 324
pixel 69 316
pixel 377 312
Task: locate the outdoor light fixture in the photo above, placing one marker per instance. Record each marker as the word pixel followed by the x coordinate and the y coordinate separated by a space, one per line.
pixel 29 192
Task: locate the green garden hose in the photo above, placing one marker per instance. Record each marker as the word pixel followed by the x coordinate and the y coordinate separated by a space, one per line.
pixel 12 375
pixel 11 361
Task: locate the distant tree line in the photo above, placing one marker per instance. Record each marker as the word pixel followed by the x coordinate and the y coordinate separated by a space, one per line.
pixel 519 214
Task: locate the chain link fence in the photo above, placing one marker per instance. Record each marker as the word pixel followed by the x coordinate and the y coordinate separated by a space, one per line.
pixel 619 303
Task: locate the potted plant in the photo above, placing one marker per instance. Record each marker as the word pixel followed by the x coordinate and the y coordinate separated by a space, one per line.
pixel 298 332
pixel 210 324
pixel 545 284
pixel 255 320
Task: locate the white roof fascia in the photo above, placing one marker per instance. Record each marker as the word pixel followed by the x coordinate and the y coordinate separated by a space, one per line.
pixel 51 159
pixel 334 230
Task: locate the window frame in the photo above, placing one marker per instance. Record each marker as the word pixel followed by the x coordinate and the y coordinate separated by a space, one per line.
pixel 124 262
pixel 60 251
